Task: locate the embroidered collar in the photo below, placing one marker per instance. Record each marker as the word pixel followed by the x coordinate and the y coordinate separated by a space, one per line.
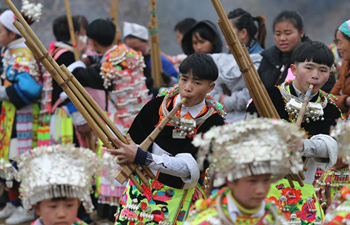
pixel 18 43
pixel 314 110
pixel 64 46
pixel 103 59
pixel 209 99
pixel 193 110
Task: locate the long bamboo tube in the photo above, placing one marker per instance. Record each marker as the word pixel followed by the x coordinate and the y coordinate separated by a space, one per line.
pixel 153 135
pixel 32 36
pixel 114 16
pixel 155 50
pixel 150 139
pixel 304 105
pixel 95 126
pixel 51 66
pixel 257 90
pixel 71 31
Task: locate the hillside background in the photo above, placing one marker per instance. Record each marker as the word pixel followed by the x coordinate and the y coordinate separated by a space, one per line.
pixel 321 17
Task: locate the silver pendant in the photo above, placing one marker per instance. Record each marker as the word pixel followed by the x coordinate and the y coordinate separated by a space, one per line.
pixel 178 134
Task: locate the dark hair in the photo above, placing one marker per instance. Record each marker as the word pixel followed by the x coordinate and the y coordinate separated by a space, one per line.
pixel 201 66
pixel 83 22
pixel 314 51
pixel 291 16
pixel 101 31
pixel 3 10
pixel 61 28
pixel 184 25
pixel 133 37
pixel 241 19
pixel 9 32
pixel 206 33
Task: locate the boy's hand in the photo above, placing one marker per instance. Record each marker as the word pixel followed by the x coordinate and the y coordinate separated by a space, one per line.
pixel 296 146
pixel 127 152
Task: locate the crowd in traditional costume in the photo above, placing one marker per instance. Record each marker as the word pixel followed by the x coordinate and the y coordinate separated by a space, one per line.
pixel 175 161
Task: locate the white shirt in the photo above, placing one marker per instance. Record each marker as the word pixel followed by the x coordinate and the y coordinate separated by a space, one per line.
pixel 193 110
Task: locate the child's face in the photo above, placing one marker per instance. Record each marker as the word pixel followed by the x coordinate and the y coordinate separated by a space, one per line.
pixel 249 192
pixel 194 89
pixel 58 212
pixel 201 45
pixel 307 73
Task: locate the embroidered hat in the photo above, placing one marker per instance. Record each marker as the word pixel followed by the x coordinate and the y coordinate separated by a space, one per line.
pixel 252 147
pixel 59 171
pixel 341 132
pixel 345 28
pixel 135 30
pixel 30 12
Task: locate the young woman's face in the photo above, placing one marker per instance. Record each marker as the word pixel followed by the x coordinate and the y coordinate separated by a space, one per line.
pixel 249 192
pixel 343 46
pixel 286 36
pixel 201 45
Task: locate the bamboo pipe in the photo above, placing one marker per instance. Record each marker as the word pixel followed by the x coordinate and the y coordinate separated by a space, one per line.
pixel 114 16
pixel 71 31
pixel 111 126
pixel 155 51
pixel 301 117
pixel 55 70
pixel 262 90
pixel 246 79
pixel 56 75
pixel 245 63
pixel 150 139
pixel 303 107
pixel 97 118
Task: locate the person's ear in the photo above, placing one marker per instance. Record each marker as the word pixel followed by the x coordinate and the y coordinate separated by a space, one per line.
pixel 211 87
pixel 13 36
pixel 37 209
pixel 244 33
pixel 293 67
pixel 302 32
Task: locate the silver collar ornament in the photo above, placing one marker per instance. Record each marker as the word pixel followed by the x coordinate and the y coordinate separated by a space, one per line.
pixel 314 110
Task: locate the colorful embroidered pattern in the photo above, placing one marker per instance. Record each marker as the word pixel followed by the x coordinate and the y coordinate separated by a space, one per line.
pixel 331 182
pixel 338 212
pixel 205 212
pixel 209 99
pixel 298 203
pixel 159 204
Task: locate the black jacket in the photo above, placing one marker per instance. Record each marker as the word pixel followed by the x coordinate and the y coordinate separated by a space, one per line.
pixel 271 73
pixel 147 120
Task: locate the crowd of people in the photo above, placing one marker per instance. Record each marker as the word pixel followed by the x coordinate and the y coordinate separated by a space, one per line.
pixel 214 162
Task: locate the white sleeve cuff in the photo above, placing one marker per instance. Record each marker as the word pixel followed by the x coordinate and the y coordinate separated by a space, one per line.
pixel 78 119
pixel 321 147
pixel 75 65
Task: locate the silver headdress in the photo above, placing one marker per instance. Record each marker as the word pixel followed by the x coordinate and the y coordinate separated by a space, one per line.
pixel 59 171
pixel 253 147
pixel 341 132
